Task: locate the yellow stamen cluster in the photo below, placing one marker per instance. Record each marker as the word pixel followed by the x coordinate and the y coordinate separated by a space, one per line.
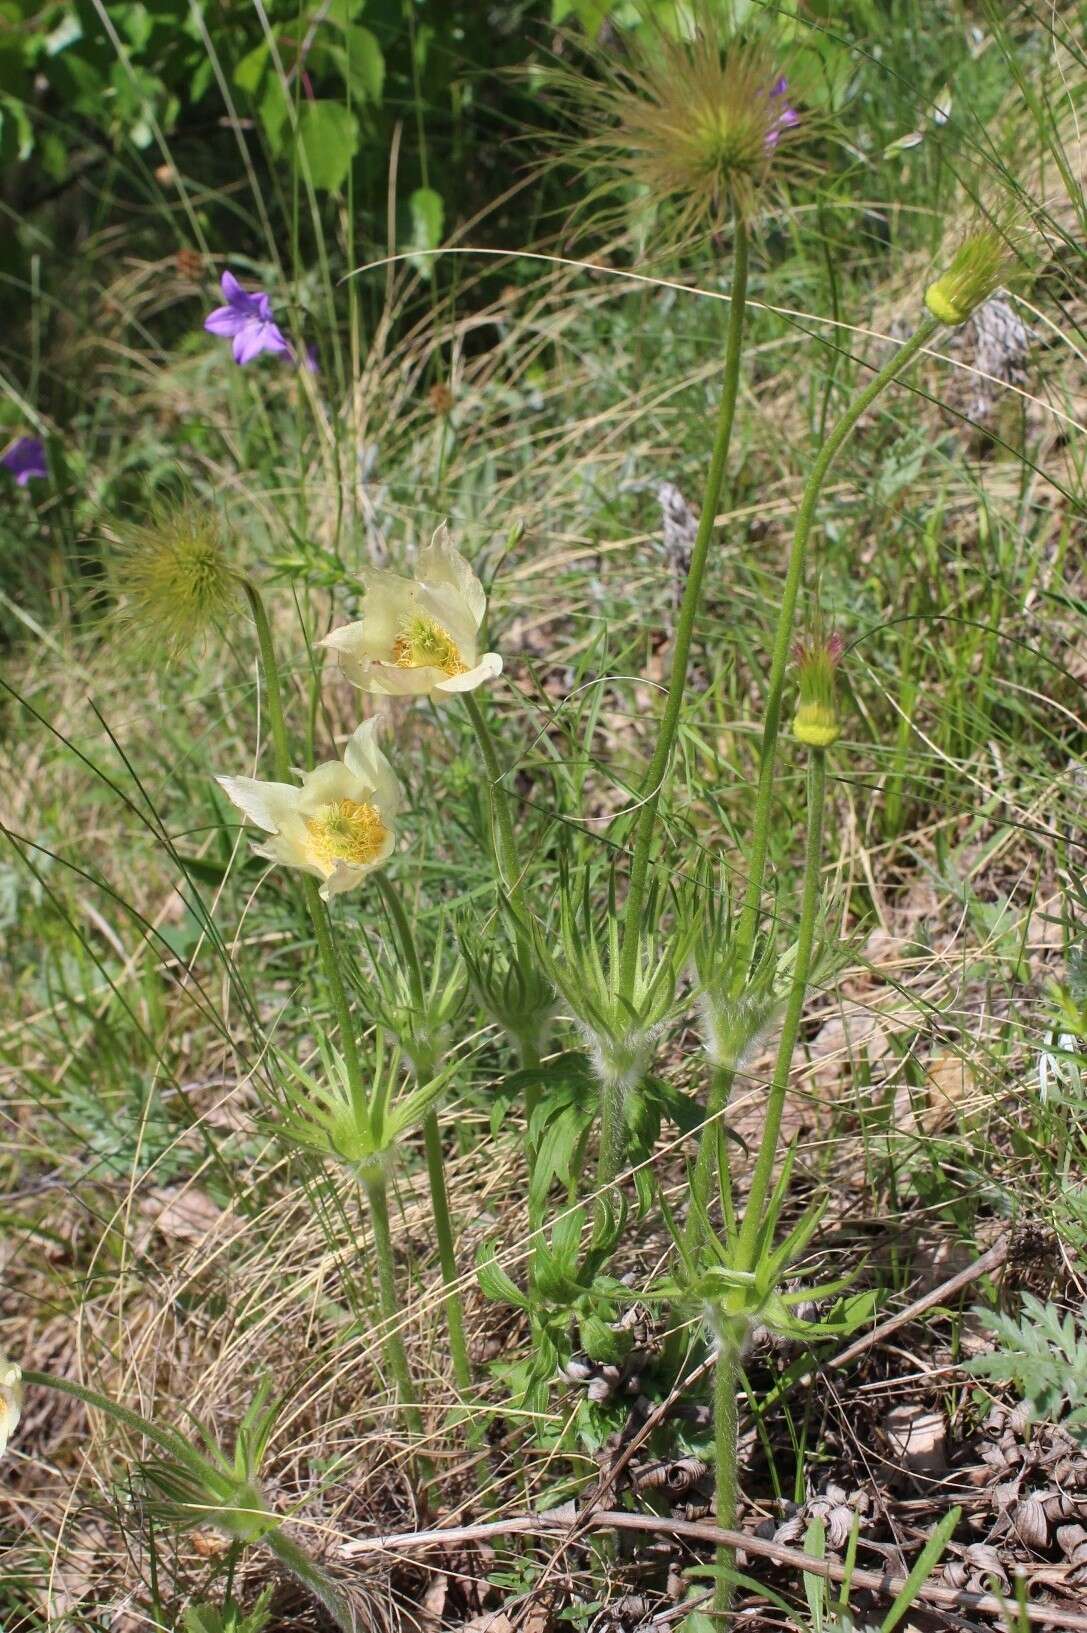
pixel 345 831
pixel 423 644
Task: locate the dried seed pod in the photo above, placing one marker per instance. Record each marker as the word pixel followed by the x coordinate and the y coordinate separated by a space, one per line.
pixel 1030 1522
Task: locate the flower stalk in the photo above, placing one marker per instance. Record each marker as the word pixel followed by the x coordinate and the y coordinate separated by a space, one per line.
pixel 424 1065
pixel 747 929
pixel 505 845
pixel 395 1353
pixel 685 624
pixel 794 1007
pixel 726 1383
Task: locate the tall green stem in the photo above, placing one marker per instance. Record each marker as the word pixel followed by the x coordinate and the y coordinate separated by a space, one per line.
pixel 306 1570
pixel 273 692
pixel 322 930
pixel 505 845
pixel 747 928
pixel 685 624
pixel 447 1257
pixel 702 1174
pixel 424 1066
pixel 395 1353
pixel 726 1383
pixel 794 1008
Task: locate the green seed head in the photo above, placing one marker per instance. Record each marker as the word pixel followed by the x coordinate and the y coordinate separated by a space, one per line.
pixel 171 579
pixel 693 127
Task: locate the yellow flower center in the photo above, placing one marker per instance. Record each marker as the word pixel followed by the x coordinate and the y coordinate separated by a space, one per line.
pixel 423 644
pixel 346 831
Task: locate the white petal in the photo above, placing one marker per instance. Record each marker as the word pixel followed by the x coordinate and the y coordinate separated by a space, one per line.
pixel 364 760
pixel 440 563
pixel 268 804
pixel 488 668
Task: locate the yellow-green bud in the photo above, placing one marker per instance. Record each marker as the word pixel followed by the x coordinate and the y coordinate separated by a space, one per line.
pixel 984 260
pixel 816 721
pixel 816 725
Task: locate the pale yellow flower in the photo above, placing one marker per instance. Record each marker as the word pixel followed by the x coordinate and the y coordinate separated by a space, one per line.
pixel 11 1400
pixel 338 825
pixel 419 635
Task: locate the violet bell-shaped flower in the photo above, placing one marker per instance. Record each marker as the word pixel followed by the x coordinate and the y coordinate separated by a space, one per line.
pixel 785 117
pixel 246 320
pixel 24 459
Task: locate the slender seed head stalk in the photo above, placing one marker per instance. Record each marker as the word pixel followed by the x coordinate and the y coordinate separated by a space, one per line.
pixel 985 258
pixel 816 720
pixel 694 126
pixel 172 580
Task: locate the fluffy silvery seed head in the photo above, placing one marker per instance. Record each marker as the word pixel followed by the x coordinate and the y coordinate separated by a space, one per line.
pixel 984 260
pixel 816 720
pixel 695 125
pixel 171 578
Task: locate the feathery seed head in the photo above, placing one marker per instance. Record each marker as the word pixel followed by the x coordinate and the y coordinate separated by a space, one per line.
pixel 695 125
pixel 985 259
pixel 172 579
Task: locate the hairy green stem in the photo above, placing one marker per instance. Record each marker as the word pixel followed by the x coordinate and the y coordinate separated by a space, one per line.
pixel 685 623
pixel 273 691
pixel 313 1578
pixel 702 1174
pixel 395 1353
pixel 424 1067
pixel 326 947
pixel 447 1257
pixel 747 928
pixel 726 1383
pixel 505 845
pixel 173 1444
pixel 794 1008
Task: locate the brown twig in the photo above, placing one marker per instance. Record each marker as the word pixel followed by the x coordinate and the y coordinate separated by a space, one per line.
pixel 992 1260
pixel 955 1599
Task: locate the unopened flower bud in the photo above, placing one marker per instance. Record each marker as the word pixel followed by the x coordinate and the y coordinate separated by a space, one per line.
pixel 816 720
pixel 984 260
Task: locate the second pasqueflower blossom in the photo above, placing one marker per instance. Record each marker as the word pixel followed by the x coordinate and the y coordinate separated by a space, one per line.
pixel 419 636
pixel 338 825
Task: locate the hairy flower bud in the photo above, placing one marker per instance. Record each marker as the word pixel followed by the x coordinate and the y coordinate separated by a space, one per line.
pixel 816 720
pixel 984 260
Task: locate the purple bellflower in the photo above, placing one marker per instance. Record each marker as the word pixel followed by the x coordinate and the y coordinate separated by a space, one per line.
pixel 247 321
pixel 785 117
pixel 25 459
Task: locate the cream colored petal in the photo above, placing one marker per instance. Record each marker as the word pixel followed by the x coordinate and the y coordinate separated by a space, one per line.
pixel 330 781
pixel 389 680
pixel 368 765
pixel 290 850
pixel 269 804
pixel 441 563
pixel 488 668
